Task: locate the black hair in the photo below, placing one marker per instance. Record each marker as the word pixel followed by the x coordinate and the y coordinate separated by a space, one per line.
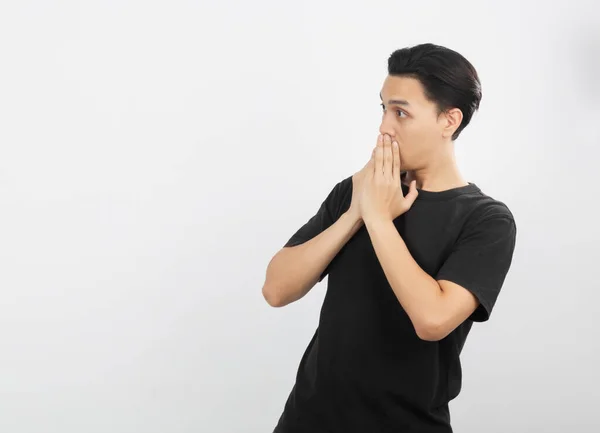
pixel 449 80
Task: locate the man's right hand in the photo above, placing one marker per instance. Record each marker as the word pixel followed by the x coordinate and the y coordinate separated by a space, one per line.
pixel 357 183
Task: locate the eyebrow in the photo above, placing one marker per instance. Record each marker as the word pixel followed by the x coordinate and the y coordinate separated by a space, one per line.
pixel 396 101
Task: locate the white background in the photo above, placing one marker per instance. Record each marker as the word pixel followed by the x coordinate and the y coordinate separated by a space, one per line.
pixel 155 155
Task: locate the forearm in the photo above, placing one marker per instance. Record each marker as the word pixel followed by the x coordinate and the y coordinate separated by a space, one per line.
pixel 419 294
pixel 293 271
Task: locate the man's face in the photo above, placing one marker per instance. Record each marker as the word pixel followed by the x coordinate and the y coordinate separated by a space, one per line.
pixel 412 120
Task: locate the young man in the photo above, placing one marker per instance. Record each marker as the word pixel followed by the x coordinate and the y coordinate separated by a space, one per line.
pixel 415 254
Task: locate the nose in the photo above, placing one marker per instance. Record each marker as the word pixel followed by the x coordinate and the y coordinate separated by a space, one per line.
pixel 389 131
pixel 385 128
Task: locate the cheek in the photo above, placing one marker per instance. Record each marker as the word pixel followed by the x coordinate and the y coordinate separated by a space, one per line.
pixel 414 137
pixel 414 145
pixel 418 137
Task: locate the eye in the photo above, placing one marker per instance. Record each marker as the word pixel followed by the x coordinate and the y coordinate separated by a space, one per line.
pixel 399 112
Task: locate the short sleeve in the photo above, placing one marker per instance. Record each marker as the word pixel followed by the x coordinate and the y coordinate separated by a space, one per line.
pixel 480 261
pixel 325 216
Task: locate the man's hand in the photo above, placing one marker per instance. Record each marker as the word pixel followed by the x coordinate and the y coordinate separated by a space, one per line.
pixel 381 190
pixel 357 186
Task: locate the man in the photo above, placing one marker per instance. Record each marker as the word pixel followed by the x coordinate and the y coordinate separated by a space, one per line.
pixel 415 254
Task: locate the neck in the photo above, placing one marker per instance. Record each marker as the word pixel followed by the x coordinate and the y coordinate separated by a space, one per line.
pixel 440 174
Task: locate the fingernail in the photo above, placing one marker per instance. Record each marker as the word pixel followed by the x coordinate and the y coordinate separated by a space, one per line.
pixel 395 144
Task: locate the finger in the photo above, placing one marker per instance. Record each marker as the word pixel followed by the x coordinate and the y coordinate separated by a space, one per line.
pixel 396 162
pixel 412 194
pixel 379 156
pixel 387 157
pixel 396 165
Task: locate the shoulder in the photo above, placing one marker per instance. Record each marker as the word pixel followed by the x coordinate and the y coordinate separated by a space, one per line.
pixel 490 207
pixel 341 186
pixel 346 183
pixel 342 190
pixel 338 194
pixel 337 189
pixel 489 213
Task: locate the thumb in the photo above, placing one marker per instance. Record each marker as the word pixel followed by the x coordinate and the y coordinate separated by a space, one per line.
pixel 412 193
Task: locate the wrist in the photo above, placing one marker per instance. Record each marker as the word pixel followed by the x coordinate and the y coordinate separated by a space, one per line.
pixel 377 220
pixel 353 219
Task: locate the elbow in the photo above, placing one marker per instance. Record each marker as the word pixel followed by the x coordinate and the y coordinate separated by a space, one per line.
pixel 272 297
pixel 431 331
pixel 270 293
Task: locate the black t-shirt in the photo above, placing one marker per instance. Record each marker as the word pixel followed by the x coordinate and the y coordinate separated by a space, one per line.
pixel 365 370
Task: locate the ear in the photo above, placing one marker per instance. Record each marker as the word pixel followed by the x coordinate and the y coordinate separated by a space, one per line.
pixel 451 121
